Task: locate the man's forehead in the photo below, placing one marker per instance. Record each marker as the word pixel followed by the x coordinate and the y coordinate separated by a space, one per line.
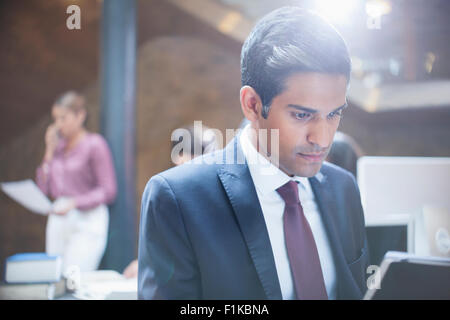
pixel 316 80
pixel 315 92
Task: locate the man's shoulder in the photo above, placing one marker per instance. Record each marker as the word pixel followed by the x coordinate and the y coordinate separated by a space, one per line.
pixel 336 173
pixel 198 170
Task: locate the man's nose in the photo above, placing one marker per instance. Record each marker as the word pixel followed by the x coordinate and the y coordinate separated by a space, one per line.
pixel 319 134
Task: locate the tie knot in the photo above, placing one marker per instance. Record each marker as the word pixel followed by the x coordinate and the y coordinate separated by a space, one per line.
pixel 289 192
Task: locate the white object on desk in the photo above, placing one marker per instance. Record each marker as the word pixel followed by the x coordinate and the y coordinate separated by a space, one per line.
pixel 433 232
pixel 106 284
pixel 33 267
pixel 33 291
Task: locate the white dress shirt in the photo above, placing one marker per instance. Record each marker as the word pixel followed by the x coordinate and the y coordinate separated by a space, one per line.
pixel 267 178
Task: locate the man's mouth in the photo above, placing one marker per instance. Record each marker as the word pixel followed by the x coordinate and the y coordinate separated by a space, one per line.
pixel 313 157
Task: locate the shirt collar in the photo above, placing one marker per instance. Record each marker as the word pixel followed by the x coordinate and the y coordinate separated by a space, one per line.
pixel 266 176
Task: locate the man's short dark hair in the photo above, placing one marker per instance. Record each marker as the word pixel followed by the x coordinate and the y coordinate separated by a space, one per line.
pixel 286 41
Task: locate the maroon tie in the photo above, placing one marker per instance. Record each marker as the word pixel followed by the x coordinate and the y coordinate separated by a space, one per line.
pixel 301 247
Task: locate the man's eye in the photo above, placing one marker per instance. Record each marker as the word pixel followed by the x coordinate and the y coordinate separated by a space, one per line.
pixel 302 115
pixel 334 114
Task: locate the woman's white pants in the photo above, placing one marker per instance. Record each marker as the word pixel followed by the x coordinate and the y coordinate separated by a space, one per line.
pixel 79 237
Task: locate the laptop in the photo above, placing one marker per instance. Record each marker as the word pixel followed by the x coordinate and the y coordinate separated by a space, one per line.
pixel 404 276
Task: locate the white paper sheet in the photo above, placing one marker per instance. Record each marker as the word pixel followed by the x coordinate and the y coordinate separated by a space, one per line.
pixel 27 193
pixel 106 284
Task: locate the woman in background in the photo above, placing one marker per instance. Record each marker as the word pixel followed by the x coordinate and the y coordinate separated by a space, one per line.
pixel 78 172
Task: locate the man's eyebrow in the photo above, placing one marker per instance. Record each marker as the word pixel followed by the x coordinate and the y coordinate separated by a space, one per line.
pixel 345 105
pixel 302 108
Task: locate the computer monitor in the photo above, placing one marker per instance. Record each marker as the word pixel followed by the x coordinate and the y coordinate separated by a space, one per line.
pixel 394 193
pixel 389 233
pixel 402 185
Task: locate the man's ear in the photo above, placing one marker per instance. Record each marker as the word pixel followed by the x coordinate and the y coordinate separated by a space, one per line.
pixel 250 103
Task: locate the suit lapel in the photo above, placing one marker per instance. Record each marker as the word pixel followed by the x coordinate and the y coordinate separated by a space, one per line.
pixel 347 287
pixel 239 187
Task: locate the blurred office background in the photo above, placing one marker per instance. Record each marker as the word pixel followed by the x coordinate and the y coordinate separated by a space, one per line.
pixel 186 68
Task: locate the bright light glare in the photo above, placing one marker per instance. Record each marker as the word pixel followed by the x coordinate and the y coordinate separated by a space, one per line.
pixel 339 11
pixel 377 8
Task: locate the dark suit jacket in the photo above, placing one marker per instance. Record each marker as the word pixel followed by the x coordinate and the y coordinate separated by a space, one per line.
pixel 203 234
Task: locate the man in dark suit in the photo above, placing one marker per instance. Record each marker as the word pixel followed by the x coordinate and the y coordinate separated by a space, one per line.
pixel 264 218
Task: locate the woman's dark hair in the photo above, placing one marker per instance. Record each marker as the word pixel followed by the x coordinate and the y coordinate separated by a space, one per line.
pixel 286 41
pixel 345 152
